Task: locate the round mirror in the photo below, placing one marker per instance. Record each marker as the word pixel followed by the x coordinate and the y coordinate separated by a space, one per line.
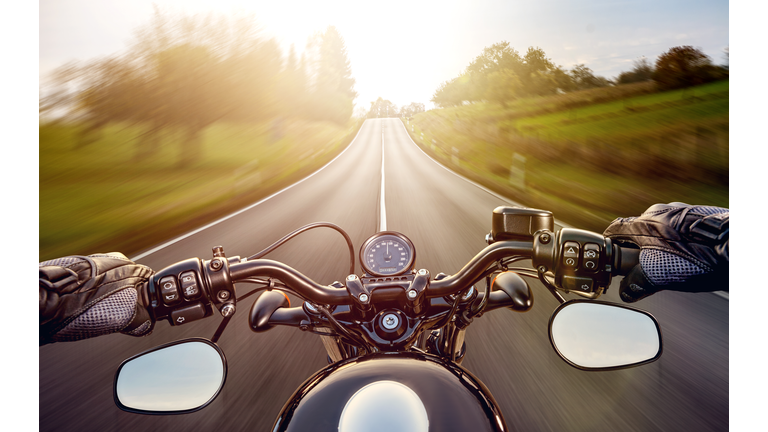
pixel 179 377
pixel 600 336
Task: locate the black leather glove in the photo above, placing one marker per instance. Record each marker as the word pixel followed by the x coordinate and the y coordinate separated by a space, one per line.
pixel 88 296
pixel 682 248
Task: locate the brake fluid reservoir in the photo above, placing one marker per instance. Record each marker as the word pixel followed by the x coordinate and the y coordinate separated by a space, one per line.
pixel 517 223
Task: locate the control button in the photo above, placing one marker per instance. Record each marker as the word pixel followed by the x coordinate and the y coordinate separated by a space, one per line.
pixel 186 314
pixel 571 254
pixel 169 291
pixel 571 250
pixel 591 257
pixel 574 283
pixel 189 286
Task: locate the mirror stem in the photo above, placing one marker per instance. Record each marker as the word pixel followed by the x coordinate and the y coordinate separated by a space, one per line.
pixel 551 288
pixel 220 330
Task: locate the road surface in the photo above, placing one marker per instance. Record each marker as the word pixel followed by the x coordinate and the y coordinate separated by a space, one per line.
pixel 447 218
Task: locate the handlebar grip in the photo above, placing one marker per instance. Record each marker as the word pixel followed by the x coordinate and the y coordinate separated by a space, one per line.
pixel 626 259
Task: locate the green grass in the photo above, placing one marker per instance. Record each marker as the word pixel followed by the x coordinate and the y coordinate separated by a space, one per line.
pixel 630 116
pixel 595 155
pixel 100 197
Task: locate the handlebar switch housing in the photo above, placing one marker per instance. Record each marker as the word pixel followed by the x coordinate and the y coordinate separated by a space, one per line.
pixel 581 261
pixel 179 293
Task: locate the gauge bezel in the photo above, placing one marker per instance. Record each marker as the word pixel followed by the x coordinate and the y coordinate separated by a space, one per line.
pixel 408 266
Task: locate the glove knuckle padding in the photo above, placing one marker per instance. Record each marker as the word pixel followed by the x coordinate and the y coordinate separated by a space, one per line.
pixel 668 229
pixel 680 245
pixel 82 297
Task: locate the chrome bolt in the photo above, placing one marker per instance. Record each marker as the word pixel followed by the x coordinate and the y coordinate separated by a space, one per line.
pixel 390 321
pixel 223 295
pixel 363 297
pixel 469 293
pixel 422 272
pixel 412 294
pixel 228 310
pixel 216 264
pixel 544 238
pixel 351 277
pixel 489 238
pixel 542 269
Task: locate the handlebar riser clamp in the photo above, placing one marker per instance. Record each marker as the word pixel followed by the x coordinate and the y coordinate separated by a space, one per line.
pixel 219 281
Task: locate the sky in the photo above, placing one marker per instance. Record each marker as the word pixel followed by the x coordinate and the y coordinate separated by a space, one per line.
pixel 403 50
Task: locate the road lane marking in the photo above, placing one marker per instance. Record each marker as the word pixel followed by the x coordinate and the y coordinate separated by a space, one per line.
pixel 191 233
pixel 383 217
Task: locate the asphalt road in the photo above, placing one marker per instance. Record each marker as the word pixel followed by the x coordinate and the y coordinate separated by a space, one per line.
pixel 447 218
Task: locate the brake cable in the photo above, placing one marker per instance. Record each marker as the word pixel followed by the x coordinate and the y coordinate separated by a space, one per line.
pixel 343 331
pixel 280 242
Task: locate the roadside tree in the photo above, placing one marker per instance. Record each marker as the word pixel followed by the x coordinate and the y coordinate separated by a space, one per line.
pixel 684 66
pixel 641 71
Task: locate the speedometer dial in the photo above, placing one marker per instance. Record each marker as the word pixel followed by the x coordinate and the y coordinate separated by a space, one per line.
pixel 387 253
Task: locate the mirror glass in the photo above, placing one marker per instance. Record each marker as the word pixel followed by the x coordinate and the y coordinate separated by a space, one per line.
pixel 601 335
pixel 179 377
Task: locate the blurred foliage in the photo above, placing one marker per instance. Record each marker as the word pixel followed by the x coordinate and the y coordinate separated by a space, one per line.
pixel 93 201
pixel 641 71
pixel 411 109
pixel 186 73
pixel 593 155
pixel 686 66
pixel 198 117
pixel 381 108
pixel 501 75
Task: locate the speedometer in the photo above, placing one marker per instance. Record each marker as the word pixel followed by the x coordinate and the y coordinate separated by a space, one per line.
pixel 387 253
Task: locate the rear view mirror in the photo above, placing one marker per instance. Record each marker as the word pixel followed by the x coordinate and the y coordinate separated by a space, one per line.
pixel 594 335
pixel 175 378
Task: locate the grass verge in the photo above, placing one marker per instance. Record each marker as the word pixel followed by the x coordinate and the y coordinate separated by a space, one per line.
pixel 98 198
pixel 591 156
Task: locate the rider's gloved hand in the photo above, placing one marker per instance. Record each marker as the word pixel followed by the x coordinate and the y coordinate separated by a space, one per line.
pixel 87 296
pixel 682 248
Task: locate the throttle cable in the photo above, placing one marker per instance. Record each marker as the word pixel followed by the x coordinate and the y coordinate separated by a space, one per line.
pixel 280 242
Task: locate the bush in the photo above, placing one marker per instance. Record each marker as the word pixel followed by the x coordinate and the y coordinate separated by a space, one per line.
pixel 684 66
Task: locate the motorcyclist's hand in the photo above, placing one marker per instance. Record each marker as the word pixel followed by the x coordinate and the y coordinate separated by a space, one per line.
pixel 88 296
pixel 682 248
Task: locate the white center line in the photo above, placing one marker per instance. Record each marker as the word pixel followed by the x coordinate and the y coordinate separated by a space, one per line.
pixel 383 218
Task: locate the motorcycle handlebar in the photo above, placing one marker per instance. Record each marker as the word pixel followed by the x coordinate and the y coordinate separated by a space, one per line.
pixel 292 278
pixel 477 266
pixel 623 261
pixel 546 251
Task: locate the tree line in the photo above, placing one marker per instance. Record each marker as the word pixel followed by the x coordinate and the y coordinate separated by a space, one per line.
pixel 188 72
pixel 500 74
pixel 385 108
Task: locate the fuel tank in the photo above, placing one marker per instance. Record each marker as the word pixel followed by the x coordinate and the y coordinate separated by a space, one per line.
pixel 391 391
